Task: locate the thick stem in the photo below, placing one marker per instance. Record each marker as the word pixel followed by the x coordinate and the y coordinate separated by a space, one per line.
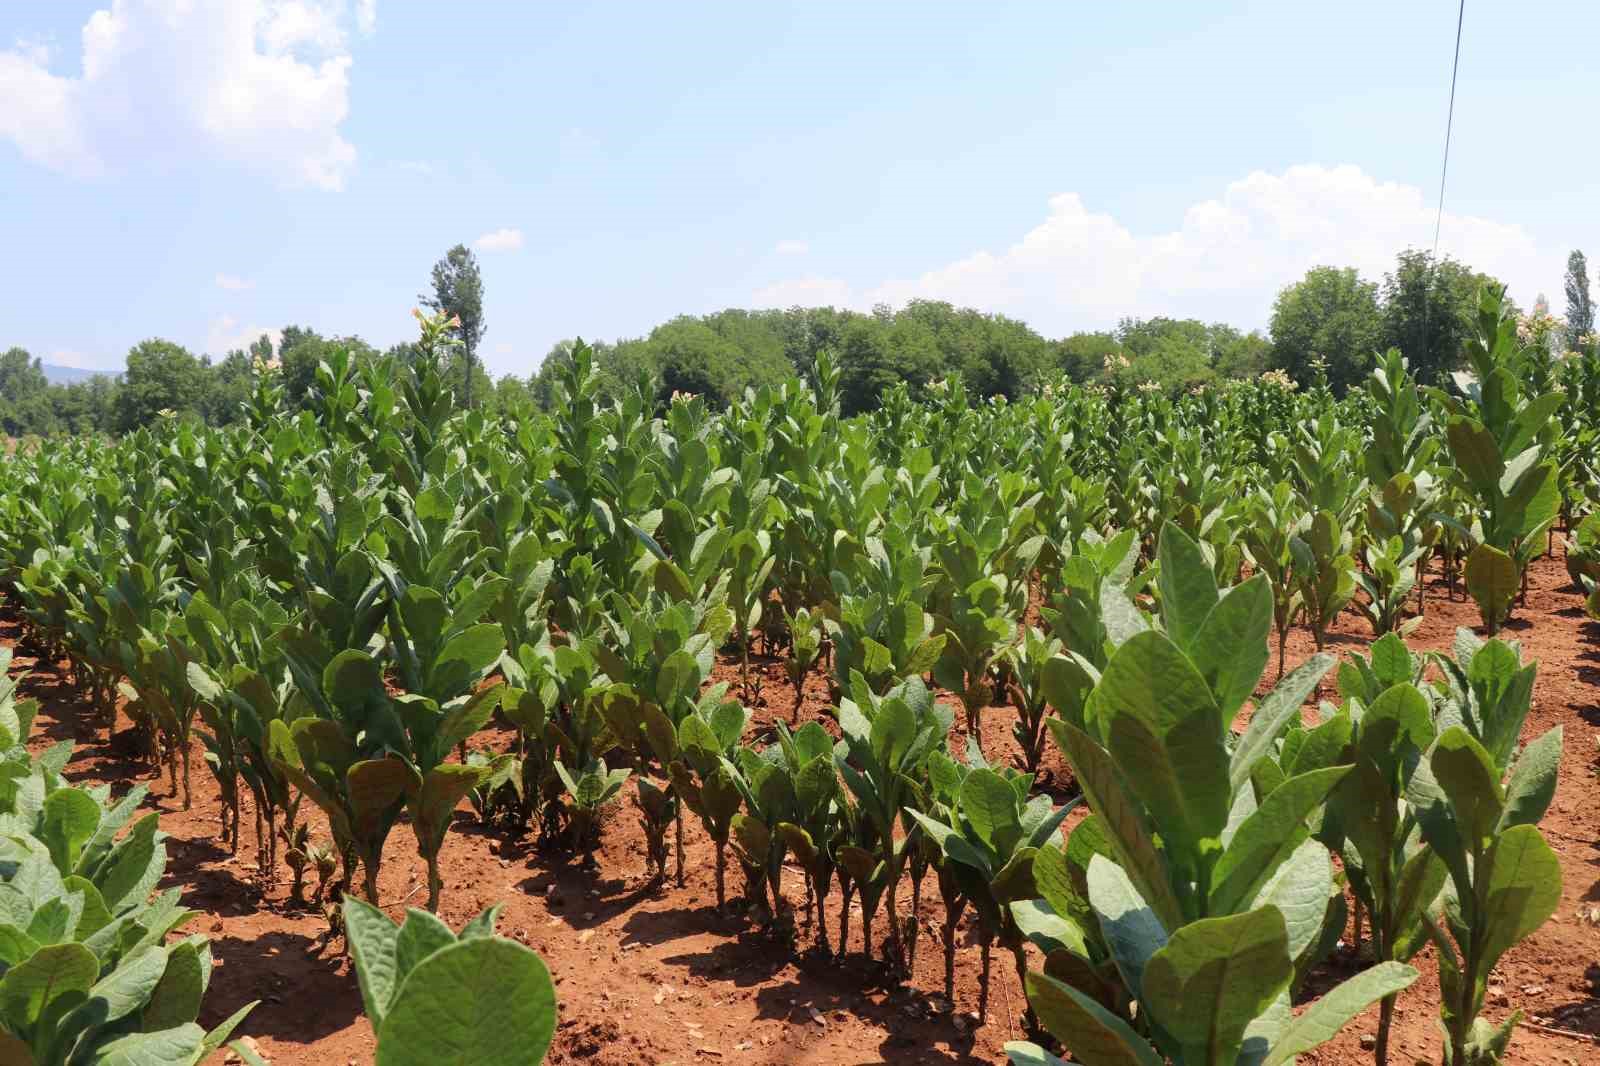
pixel 1380 1050
pixel 845 886
pixel 722 873
pixel 678 832
pixel 820 894
pixel 370 870
pixel 435 883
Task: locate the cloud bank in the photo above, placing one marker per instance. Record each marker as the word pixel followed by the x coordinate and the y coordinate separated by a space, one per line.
pixel 1226 261
pixel 261 83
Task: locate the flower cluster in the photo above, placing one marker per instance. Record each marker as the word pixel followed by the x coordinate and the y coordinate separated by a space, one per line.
pixel 1115 361
pixel 1281 379
pixel 1149 386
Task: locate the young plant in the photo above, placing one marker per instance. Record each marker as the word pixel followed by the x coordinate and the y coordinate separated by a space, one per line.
pixel 886 739
pixel 806 629
pixel 1239 966
pixel 433 996
pixel 588 791
pixel 1387 581
pixel 1392 873
pixel 1028 667
pixel 992 835
pixel 1504 881
pixel 1324 569
pixel 1496 431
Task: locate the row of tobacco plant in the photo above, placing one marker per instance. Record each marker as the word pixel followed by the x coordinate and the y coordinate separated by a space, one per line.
pixel 339 601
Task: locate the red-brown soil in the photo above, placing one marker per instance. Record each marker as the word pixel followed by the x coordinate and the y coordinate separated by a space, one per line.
pixel 654 975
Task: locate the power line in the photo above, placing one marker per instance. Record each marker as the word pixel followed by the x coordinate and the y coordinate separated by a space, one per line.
pixel 1444 169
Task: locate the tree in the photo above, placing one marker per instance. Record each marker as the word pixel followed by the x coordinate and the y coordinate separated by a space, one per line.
pixel 161 376
pixel 1082 356
pixel 1429 309
pixel 24 395
pixel 458 290
pixel 1580 308
pixel 1329 314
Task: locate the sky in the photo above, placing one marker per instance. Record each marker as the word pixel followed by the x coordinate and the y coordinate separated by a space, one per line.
pixel 209 170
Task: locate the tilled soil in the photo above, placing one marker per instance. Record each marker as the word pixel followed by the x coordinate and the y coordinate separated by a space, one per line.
pixel 651 973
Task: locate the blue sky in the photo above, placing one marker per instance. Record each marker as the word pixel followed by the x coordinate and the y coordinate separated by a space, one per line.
pixel 205 172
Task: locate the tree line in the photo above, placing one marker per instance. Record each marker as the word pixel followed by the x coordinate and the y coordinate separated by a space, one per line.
pixel 1326 327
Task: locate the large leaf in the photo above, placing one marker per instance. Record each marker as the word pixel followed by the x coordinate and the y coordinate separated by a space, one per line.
pixel 1214 977
pixel 51 972
pixel 1524 888
pixel 1231 647
pixel 1267 838
pixel 372 938
pixel 1094 1035
pixel 1281 706
pixel 1533 781
pixel 1187 587
pixel 1131 929
pixel 1124 822
pixel 1492 580
pixel 480 1002
pixel 1322 1020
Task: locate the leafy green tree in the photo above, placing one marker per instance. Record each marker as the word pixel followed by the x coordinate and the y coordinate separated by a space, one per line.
pixel 1332 315
pixel 1429 311
pixel 24 395
pixel 458 291
pixel 161 376
pixel 1580 307
pixel 1083 355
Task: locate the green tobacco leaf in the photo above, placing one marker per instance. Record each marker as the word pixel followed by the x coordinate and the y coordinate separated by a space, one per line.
pixel 1156 713
pixel 1132 931
pixel 1467 774
pixel 1524 888
pixel 1187 587
pixel 421 934
pixel 376 786
pixel 1477 455
pixel 1280 706
pixel 1124 823
pixel 1094 1035
pixel 372 938
pixel 1533 781
pixel 1231 647
pixel 443 789
pixel 70 818
pixel 990 804
pixel 1268 837
pixel 176 1000
pixel 50 973
pixel 480 1002
pixel 168 1047
pixel 1235 966
pixel 1328 1014
pixel 1492 580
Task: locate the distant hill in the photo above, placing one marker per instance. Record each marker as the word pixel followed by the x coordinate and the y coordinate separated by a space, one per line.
pixel 66 375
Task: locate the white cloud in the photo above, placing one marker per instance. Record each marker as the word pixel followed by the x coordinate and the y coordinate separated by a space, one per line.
pixel 501 240
pixel 1226 261
pixel 807 292
pixel 73 358
pixel 233 283
pixel 262 83
pixel 226 335
pixel 367 16
pixel 415 166
pixel 792 248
